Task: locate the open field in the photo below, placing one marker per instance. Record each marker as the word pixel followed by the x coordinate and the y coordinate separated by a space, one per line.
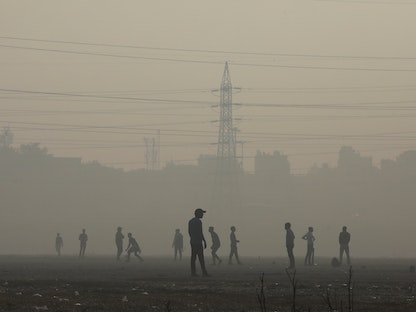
pixel 46 283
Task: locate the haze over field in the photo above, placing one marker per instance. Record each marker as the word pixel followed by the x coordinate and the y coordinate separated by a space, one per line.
pixel 92 80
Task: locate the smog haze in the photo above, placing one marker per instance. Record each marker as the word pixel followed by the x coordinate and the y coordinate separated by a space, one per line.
pixel 111 116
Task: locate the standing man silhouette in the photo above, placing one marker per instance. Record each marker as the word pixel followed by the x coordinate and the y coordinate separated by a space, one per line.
pixel 344 240
pixel 119 242
pixel 215 245
pixel 290 244
pixel 197 238
pixel 177 244
pixel 83 237
pixel 309 258
pixel 234 250
pixel 59 243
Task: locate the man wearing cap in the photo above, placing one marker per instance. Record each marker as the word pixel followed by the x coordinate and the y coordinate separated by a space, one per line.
pixel 119 242
pixel 197 238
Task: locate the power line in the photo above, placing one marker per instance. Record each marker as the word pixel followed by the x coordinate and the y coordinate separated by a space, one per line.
pixel 214 62
pixel 211 51
pixel 359 105
pixel 124 98
pixel 211 134
pixel 356 89
pixel 369 2
pixel 378 88
pixel 111 55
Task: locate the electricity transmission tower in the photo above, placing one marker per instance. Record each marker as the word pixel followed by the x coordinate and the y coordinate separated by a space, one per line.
pixel 227 168
pixel 226 134
pixel 152 152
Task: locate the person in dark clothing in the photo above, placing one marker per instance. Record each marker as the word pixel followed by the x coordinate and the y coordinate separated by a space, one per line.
pixel 177 244
pixel 290 244
pixel 344 240
pixel 59 243
pixel 119 242
pixel 309 258
pixel 197 238
pixel 83 238
pixel 215 246
pixel 234 251
pixel 133 247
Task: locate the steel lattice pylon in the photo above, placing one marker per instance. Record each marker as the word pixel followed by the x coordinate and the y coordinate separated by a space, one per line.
pixel 226 135
pixel 227 169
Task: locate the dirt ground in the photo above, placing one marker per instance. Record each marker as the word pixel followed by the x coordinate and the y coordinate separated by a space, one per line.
pixel 46 283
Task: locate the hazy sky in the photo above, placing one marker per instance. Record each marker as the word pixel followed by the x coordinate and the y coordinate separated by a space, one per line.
pixel 91 79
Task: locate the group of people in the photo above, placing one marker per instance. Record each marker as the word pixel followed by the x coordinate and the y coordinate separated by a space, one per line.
pixel 198 237
pixel 198 244
pixel 83 238
pixel 343 239
pixel 132 247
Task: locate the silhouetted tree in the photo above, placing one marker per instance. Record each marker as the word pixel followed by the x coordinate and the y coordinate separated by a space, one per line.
pixel 6 137
pixel 33 150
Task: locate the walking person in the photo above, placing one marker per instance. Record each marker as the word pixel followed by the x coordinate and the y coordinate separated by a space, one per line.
pixel 133 247
pixel 344 241
pixel 197 238
pixel 310 251
pixel 119 242
pixel 59 243
pixel 290 244
pixel 83 238
pixel 215 246
pixel 234 250
pixel 177 244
